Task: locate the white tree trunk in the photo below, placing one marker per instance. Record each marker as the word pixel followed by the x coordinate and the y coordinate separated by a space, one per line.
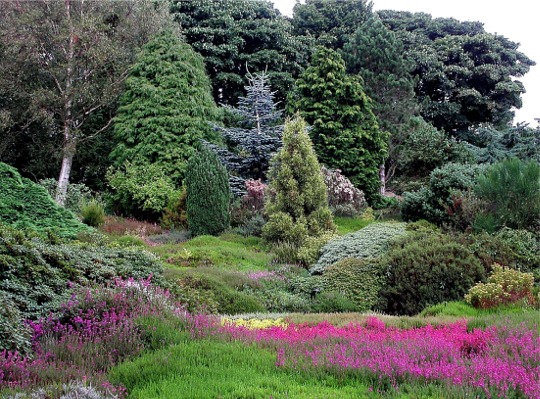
pixel 382 176
pixel 63 180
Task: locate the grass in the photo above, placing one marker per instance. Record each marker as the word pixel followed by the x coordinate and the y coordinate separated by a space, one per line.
pixel 346 225
pixel 228 251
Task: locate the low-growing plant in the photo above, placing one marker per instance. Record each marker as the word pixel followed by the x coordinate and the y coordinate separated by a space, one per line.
pixel 93 213
pixel 504 286
pixel 370 242
pixel 115 225
pixel 332 302
pixel 14 334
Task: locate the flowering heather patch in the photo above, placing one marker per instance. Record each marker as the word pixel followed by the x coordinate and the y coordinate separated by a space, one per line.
pixel 496 361
pixel 265 275
pixel 93 331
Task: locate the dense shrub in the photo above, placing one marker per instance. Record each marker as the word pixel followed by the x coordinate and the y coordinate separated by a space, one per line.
pixel 27 205
pixel 247 213
pixel 370 242
pixel 504 286
pixel 333 302
pixel 425 270
pixel 512 190
pixel 297 204
pixel 175 215
pixel 208 194
pixel 77 193
pixel 14 334
pixel 36 274
pixel 432 202
pixel 93 213
pixel 359 280
pixel 343 198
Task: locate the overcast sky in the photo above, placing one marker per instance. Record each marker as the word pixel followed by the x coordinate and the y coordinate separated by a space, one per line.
pixel 517 20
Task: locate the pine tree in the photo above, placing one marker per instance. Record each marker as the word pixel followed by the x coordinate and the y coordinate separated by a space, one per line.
pixel 297 203
pixel 256 137
pixel 165 109
pixel 345 131
pixel 208 194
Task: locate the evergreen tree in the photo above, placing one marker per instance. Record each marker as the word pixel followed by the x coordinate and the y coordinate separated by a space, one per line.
pixel 297 203
pixel 208 194
pixel 165 109
pixel 256 137
pixel 345 131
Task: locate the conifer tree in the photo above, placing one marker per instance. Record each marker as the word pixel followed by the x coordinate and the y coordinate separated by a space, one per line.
pixel 165 109
pixel 208 194
pixel 297 203
pixel 345 132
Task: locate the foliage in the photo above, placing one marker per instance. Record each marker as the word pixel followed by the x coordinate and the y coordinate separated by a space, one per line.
pixel 27 205
pixel 344 132
pixel 343 198
pixel 433 202
pixel 347 225
pixel 35 274
pixel 71 390
pixel 333 301
pixel 93 213
pixel 370 242
pixel 426 270
pixel 511 189
pixel 504 286
pixel 309 252
pixel 359 280
pixel 115 225
pixel 238 36
pixel 297 205
pixel 464 75
pixel 14 334
pixel 143 190
pixel 175 215
pixel 165 109
pixel 77 193
pixel 209 196
pixel 256 136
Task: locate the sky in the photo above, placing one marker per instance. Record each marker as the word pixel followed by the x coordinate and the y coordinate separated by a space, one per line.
pixel 517 20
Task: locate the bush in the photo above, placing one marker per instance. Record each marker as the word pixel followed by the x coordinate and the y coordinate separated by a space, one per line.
pixel 77 193
pixel 309 252
pixel 343 198
pixel 174 215
pixel 504 286
pixel 208 194
pixel 425 270
pixel 14 334
pixel 141 191
pixel 512 190
pixel 359 280
pixel 370 242
pixel 333 302
pixel 27 205
pixel 93 213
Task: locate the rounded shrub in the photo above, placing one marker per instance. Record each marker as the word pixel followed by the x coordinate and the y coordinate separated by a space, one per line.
pixel 93 213
pixel 359 280
pixel 426 270
pixel 370 242
pixel 208 194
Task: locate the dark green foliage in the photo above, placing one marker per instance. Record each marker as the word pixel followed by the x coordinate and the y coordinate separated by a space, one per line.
pixel 27 205
pixel 376 54
pixel 256 136
pixel 332 302
pixel 77 194
pixel 359 280
pixel 433 202
pixel 344 132
pixel 35 273
pixel 208 194
pixel 511 189
pixel 297 204
pixel 425 270
pixel 215 291
pixel 14 334
pixel 175 215
pixel 465 76
pixel 165 109
pixel 238 36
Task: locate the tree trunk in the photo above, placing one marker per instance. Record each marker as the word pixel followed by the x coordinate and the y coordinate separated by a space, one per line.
pixel 63 179
pixel 382 176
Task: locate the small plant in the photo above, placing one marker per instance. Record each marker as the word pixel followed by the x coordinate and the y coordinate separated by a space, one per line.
pixel 504 286
pixel 93 213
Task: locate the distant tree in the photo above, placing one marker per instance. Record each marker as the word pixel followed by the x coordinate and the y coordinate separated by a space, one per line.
pixel 66 61
pixel 345 131
pixel 256 136
pixel 465 76
pixel 208 194
pixel 236 36
pixel 297 204
pixel 165 109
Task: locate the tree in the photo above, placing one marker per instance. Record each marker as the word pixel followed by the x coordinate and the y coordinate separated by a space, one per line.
pixel 165 109
pixel 67 60
pixel 465 76
pixel 256 136
pixel 297 203
pixel 208 194
pixel 344 131
pixel 331 22
pixel 236 36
